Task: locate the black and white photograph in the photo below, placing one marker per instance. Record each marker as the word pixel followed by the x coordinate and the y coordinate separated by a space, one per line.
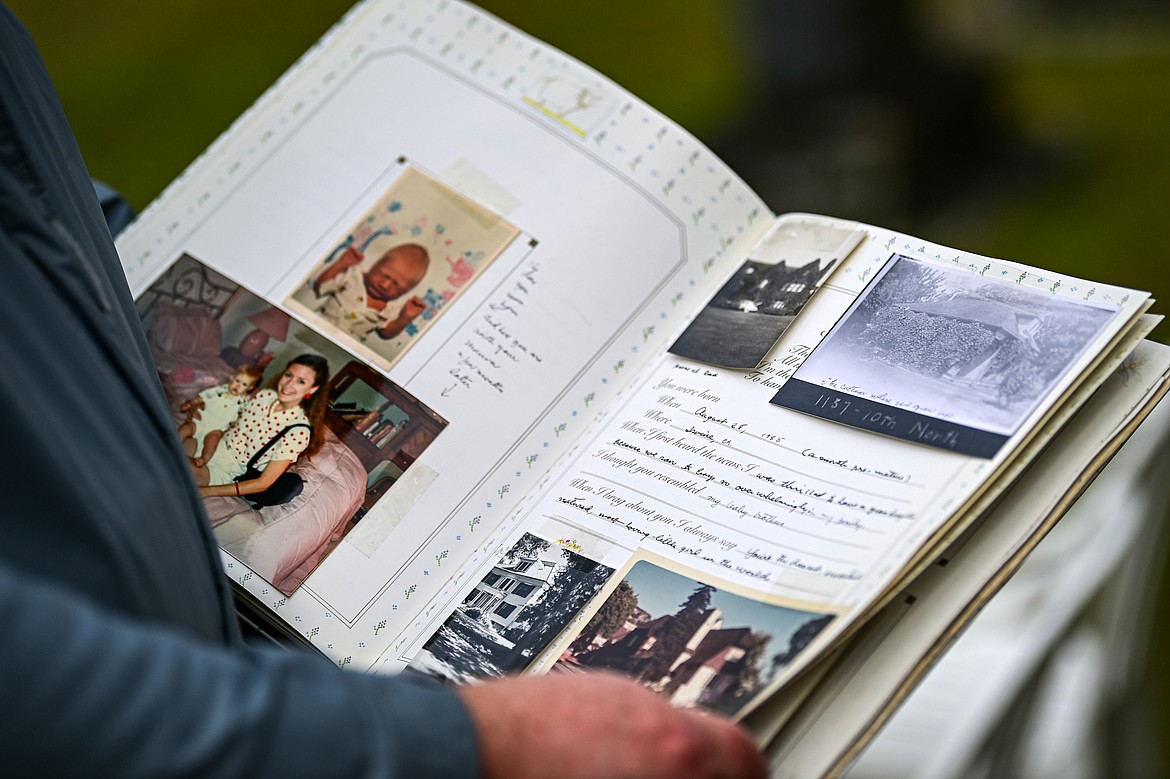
pixel 514 612
pixel 944 356
pixel 749 313
pixel 696 644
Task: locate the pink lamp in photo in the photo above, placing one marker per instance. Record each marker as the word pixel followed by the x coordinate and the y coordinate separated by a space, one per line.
pixel 269 323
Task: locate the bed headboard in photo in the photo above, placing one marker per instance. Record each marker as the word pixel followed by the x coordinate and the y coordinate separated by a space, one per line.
pixel 181 314
pixel 189 283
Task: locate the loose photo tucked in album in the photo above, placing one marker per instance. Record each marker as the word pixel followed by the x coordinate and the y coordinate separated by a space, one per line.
pixel 749 313
pixel 943 356
pixel 253 392
pixel 514 612
pixel 695 643
pixel 396 271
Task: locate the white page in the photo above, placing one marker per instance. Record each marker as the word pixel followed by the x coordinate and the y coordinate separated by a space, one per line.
pixel 624 220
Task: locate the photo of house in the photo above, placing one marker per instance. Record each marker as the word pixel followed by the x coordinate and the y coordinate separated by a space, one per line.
pixel 1005 329
pixel 512 584
pixel 778 290
pixel 744 319
pixel 514 612
pixel 694 643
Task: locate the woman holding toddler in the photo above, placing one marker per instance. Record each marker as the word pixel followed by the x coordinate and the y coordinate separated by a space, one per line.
pixel 289 413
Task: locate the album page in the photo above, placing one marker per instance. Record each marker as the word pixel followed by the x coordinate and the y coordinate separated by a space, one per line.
pixel 483 239
pixel 713 511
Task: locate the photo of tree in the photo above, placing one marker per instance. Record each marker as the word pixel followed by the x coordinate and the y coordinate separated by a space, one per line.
pixel 692 642
pixel 514 612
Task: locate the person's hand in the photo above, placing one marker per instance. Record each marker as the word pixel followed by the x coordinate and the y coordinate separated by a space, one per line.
pixel 413 307
pixel 192 408
pixel 410 309
pixel 350 257
pixel 583 726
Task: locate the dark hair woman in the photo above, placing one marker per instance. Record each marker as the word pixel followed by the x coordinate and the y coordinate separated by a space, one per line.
pixel 296 396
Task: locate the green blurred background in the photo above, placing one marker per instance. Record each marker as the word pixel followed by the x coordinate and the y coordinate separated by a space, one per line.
pixel 1033 130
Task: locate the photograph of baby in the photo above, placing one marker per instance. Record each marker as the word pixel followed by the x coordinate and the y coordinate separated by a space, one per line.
pixel 689 640
pixel 401 266
pixel 290 439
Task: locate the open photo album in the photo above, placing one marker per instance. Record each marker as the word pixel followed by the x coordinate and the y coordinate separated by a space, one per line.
pixel 591 405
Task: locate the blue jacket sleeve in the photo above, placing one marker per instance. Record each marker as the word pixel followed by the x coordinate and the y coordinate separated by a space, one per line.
pixel 119 656
pixel 89 693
